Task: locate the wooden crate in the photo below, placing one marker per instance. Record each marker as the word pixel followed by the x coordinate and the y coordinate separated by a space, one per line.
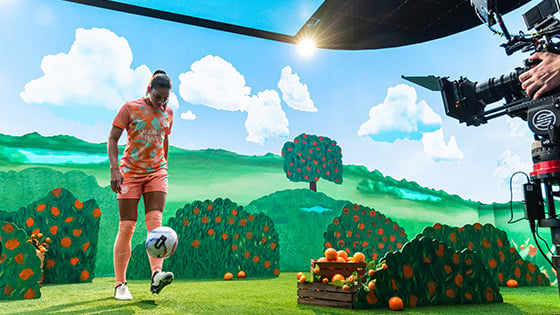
pixel 329 269
pixel 315 293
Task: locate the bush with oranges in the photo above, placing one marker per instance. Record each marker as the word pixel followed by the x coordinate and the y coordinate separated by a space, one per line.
pixel 20 268
pixel 427 272
pixel 73 228
pixel 492 244
pixel 362 229
pixel 216 237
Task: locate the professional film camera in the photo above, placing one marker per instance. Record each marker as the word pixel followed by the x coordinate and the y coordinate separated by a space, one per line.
pixel 467 101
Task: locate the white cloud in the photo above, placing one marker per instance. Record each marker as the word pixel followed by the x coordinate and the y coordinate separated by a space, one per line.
pixel 95 72
pixel 506 165
pixel 215 83
pixel 519 128
pixel 265 117
pixel 188 115
pixel 400 117
pixel 295 93
pixel 436 148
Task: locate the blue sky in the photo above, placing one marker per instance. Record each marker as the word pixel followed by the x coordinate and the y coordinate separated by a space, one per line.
pixel 66 69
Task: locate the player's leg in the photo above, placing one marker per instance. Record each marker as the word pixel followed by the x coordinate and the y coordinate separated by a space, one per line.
pixel 128 213
pixel 155 193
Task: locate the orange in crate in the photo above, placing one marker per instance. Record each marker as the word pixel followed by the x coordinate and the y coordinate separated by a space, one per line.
pixel 329 269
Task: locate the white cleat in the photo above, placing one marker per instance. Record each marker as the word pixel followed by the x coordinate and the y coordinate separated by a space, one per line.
pixel 122 293
pixel 159 280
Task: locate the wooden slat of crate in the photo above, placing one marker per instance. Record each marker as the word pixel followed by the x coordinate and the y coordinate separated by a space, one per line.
pixel 326 295
pixel 329 269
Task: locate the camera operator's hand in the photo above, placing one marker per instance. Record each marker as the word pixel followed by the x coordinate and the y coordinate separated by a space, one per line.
pixel 543 77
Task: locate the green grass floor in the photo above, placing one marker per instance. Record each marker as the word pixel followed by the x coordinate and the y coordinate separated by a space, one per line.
pixel 263 296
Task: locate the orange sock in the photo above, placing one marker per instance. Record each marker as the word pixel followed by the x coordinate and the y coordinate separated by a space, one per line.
pixel 122 249
pixel 153 220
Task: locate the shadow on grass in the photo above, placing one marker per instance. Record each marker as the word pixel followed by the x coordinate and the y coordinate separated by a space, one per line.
pixel 99 308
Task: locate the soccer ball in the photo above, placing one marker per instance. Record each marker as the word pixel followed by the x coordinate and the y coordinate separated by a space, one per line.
pixel 161 242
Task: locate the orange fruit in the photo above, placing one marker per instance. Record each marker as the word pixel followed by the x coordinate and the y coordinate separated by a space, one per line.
pixel 359 257
pixel 371 272
pixel 511 283
pixel 325 280
pixel 228 276
pixel 371 285
pixel 322 259
pixel 330 254
pixel 302 279
pixel 299 274
pixel 343 254
pixel 396 303
pixel 345 287
pixel 338 277
pixel 350 279
pixel 340 259
pixel 241 274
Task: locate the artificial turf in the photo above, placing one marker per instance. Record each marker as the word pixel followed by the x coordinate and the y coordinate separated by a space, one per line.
pixel 247 296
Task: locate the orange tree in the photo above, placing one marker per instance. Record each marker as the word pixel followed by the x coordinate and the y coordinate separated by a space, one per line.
pixel 363 229
pixel 216 237
pixel 73 227
pixel 311 157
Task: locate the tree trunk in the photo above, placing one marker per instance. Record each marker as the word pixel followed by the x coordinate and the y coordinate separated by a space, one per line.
pixel 313 186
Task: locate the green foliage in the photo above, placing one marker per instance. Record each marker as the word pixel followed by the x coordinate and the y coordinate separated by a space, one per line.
pixel 216 237
pixel 30 184
pixel 20 268
pixel 73 227
pixel 311 157
pixel 492 244
pixel 300 230
pixel 428 272
pixel 362 229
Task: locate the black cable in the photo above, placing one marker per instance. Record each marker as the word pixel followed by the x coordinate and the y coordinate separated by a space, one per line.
pixel 539 246
pixel 545 242
pixel 511 196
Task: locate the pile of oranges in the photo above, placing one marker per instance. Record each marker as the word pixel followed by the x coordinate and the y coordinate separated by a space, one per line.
pixel 341 256
pixel 332 255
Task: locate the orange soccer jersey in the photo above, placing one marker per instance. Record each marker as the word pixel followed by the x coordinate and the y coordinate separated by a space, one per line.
pixel 146 128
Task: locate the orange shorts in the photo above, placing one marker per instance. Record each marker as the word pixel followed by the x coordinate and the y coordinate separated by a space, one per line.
pixel 135 187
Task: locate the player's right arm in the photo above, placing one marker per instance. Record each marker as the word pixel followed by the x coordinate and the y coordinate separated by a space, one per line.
pixel 113 151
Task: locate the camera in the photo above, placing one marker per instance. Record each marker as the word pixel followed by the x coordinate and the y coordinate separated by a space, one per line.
pixel 467 102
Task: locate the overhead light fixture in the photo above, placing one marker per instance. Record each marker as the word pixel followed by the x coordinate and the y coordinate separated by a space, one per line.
pixel 307 47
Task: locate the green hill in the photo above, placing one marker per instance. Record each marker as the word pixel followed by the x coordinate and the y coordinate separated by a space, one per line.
pixel 211 174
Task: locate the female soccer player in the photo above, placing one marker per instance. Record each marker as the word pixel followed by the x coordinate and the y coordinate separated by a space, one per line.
pixel 142 173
